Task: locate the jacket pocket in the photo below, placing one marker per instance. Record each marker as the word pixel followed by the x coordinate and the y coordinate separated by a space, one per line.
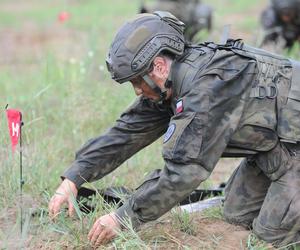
pixel 254 137
pixel 184 143
pixel 288 126
pixel 275 162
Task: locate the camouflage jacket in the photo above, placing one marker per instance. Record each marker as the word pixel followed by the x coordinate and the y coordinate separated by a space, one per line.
pixel 217 108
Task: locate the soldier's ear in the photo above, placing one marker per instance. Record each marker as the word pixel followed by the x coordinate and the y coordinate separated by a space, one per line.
pixel 160 66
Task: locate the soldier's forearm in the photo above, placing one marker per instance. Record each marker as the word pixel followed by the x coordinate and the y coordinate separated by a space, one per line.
pixel 162 191
pixel 102 155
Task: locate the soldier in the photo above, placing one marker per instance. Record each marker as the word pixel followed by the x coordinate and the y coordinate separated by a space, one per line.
pixel 196 15
pixel 209 100
pixel 281 20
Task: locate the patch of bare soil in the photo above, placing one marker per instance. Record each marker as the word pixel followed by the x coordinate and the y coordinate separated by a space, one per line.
pixel 31 43
pixel 10 227
pixel 209 233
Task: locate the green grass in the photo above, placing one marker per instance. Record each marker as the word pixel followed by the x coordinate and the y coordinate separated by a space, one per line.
pixel 229 7
pixel 213 212
pixel 248 24
pixel 66 97
pixel 82 15
pixel 183 221
pixel 253 243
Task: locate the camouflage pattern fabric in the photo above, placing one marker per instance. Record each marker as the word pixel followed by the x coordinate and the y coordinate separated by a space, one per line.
pixel 214 109
pixel 196 15
pixel 271 208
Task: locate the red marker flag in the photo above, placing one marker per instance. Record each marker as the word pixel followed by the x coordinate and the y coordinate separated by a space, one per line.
pixel 63 16
pixel 14 118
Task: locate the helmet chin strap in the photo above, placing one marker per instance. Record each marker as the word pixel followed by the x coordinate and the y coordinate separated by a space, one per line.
pixel 161 91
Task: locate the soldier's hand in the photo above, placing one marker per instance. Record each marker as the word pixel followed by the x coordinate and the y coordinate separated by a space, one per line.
pixel 104 230
pixel 63 195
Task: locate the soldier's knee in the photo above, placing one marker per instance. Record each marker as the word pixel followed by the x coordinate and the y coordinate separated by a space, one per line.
pixel 263 232
pixel 234 216
pixel 277 236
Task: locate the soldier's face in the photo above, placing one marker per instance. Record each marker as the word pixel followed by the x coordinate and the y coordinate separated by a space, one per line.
pixel 159 75
pixel 142 88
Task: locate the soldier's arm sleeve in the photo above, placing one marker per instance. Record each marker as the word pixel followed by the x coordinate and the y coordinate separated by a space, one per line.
pixel 140 125
pixel 193 143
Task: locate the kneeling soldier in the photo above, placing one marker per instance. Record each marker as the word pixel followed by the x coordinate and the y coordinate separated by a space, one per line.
pixel 209 100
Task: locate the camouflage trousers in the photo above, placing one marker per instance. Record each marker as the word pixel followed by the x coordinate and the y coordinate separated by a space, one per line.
pixel 270 207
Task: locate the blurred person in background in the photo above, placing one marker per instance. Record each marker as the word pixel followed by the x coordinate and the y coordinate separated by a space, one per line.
pixel 196 15
pixel 281 23
pixel 209 101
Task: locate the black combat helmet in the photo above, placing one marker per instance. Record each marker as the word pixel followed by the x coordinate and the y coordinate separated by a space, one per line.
pixel 138 42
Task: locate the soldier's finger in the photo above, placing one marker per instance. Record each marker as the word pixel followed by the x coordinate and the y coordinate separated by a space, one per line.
pixel 55 206
pixel 95 236
pixel 50 204
pixel 98 231
pixel 102 238
pixel 51 207
pixel 71 208
pixel 95 231
pixel 91 233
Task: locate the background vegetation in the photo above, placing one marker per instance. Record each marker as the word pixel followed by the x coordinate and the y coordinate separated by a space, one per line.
pixel 55 74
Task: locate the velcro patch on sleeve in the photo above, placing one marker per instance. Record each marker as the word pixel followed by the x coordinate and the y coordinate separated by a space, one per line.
pixel 170 132
pixel 183 139
pixel 179 106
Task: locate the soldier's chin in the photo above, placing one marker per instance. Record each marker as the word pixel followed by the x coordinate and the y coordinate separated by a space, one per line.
pixel 153 98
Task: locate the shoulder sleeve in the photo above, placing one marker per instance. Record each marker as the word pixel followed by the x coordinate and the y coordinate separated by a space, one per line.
pixel 141 124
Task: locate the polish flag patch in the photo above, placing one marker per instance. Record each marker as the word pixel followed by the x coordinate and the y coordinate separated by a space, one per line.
pixel 179 106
